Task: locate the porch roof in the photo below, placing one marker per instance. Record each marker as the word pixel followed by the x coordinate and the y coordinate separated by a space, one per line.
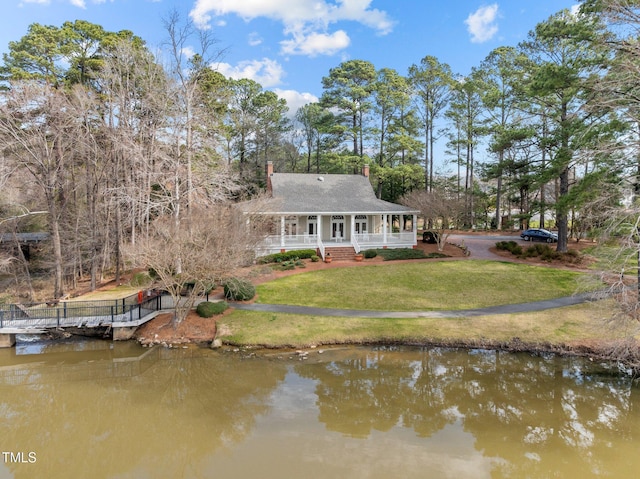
pixel 310 194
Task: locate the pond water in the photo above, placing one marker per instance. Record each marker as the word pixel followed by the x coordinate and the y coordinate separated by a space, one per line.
pixel 97 409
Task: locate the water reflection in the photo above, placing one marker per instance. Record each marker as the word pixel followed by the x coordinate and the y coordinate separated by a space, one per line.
pixel 533 415
pixel 118 410
pixel 162 422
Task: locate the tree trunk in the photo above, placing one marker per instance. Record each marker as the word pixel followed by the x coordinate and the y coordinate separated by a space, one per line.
pixel 561 213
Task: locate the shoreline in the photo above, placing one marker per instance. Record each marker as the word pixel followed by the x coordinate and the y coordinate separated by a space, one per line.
pixel 218 336
pixel 597 352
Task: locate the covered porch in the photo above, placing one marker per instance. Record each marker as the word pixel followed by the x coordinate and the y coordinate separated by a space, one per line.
pixel 360 230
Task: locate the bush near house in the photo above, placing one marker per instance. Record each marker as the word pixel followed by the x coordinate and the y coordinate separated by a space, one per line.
pixel 207 309
pixel 401 253
pixel 237 289
pixel 291 264
pixel 287 256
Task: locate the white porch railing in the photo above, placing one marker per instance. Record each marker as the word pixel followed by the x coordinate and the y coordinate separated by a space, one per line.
pixel 375 240
pixel 320 247
pixel 291 241
pixel 355 243
pixel 360 242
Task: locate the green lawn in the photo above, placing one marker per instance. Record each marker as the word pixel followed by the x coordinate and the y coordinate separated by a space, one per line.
pixel 446 285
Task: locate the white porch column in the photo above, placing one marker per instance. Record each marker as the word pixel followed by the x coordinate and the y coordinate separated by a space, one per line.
pixel 282 231
pixel 319 228
pixel 353 227
pixel 414 227
pixel 385 225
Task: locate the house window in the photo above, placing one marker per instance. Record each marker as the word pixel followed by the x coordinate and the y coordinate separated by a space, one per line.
pixel 312 222
pixel 361 224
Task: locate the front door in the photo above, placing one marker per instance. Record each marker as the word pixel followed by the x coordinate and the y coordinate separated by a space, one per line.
pixel 312 225
pixel 337 227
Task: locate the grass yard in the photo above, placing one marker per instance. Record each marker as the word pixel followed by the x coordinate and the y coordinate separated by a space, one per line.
pixel 579 323
pixel 119 292
pixel 446 285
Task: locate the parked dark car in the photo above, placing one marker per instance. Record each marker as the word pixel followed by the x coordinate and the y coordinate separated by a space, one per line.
pixel 539 234
pixel 430 237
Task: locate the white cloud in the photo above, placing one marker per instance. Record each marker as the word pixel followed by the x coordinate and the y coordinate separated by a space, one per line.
pixel 76 3
pixel 315 44
pixel 188 52
pixel 307 21
pixel 254 39
pixel 481 24
pixel 295 99
pixel 267 72
pixel 291 12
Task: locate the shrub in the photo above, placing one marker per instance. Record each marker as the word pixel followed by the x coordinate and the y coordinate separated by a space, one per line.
pixel 437 255
pixel 505 245
pixel 237 289
pixel 510 246
pixel 315 258
pixel 543 251
pixel 550 254
pixel 141 279
pixel 207 309
pixel 370 253
pixel 516 250
pixel 287 256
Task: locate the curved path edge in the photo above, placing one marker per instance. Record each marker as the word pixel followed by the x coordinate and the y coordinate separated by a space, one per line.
pixel 355 313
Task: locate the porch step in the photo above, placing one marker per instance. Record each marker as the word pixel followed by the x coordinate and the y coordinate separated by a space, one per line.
pixel 341 253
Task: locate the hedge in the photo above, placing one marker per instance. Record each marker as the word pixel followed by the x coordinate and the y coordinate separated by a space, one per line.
pixel 287 256
pixel 207 309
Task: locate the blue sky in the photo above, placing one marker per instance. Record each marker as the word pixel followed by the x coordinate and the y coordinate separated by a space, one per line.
pixel 289 45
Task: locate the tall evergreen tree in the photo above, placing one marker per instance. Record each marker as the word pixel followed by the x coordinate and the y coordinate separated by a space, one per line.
pixel 564 59
pixel 348 88
pixel 432 82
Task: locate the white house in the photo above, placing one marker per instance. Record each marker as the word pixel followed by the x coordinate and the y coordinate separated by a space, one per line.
pixel 337 214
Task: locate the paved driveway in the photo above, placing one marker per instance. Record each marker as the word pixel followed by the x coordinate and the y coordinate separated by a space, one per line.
pixel 479 245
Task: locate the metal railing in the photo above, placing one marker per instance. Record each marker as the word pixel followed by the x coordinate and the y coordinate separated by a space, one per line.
pixel 77 313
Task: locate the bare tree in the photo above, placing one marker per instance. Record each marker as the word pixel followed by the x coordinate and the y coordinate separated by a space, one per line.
pixel 213 243
pixel 37 125
pixel 441 210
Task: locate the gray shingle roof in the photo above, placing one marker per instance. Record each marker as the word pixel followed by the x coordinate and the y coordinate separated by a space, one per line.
pixel 296 193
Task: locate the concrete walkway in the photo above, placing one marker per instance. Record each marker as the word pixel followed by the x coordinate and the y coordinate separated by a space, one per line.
pixel 354 313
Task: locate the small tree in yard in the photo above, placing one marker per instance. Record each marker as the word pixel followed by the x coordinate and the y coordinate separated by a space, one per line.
pixel 208 247
pixel 441 210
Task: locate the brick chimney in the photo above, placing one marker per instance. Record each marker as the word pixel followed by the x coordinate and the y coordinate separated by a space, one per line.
pixel 269 174
pixel 365 171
